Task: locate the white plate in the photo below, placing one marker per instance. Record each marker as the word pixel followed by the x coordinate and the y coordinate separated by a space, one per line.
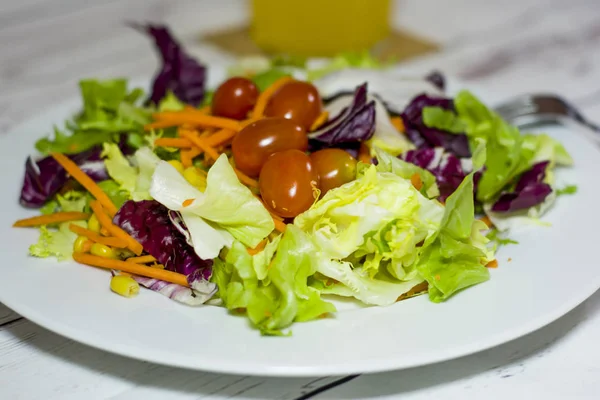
pixel 552 270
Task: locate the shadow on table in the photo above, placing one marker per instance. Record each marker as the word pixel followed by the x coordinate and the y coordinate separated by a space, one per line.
pixel 145 378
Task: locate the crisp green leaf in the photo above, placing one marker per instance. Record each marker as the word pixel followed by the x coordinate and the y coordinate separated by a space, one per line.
pixel 265 79
pixel 446 120
pixel 114 192
pixel 118 167
pixel 406 170
pixel 54 243
pixel 569 189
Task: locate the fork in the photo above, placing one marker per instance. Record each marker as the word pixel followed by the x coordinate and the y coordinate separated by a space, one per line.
pixel 534 109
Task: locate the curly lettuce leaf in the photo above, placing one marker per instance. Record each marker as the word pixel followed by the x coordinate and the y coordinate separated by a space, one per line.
pixel 445 120
pixel 406 170
pixel 54 243
pixel 283 295
pixel 226 204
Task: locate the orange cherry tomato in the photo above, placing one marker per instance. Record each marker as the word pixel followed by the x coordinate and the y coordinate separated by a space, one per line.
pixel 335 167
pixel 287 182
pixel 298 101
pixel 257 141
pixel 234 98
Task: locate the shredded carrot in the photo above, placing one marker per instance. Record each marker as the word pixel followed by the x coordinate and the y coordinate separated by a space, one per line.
pixel 204 110
pixel 486 220
pixel 258 248
pixel 104 231
pixel 173 142
pixel 220 137
pixel 114 230
pixel 187 158
pixel 398 124
pixel 86 182
pixel 364 154
pixel 245 179
pixel 200 143
pixel 263 98
pixel 416 181
pixel 492 264
pixel 141 259
pixel 131 267
pixel 321 119
pixel 194 118
pixel 94 237
pixel 51 219
pixel 279 225
pixel 187 202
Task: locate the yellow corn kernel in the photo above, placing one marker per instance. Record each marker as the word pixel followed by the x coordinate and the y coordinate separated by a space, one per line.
pixel 94 224
pixel 124 285
pixel 82 244
pixel 177 164
pixel 102 250
pixel 196 177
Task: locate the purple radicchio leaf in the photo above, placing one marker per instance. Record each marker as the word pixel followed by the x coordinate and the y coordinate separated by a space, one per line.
pixel 44 178
pixel 529 191
pixel 448 169
pixel 149 223
pixel 437 79
pixel 179 72
pixel 198 293
pixel 354 122
pixel 424 136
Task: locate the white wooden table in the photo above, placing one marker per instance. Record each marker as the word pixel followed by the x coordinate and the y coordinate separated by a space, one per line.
pixel 508 47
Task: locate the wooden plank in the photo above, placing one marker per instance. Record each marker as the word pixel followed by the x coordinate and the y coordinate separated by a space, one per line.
pixel 7 315
pixel 64 369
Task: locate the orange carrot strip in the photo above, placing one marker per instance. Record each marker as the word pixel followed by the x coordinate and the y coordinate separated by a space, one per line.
pixel 86 182
pixel 94 237
pixel 195 118
pixel 279 225
pixel 364 154
pixel 173 142
pixel 492 264
pixel 114 230
pixel 398 124
pixel 51 219
pixel 220 137
pixel 263 98
pixel 204 110
pixel 486 220
pixel 245 179
pixel 132 268
pixel 258 248
pixel 321 119
pixel 141 259
pixel 200 143
pixel 186 158
pixel 416 181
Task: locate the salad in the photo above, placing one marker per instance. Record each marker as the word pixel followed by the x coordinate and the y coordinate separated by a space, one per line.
pixel 280 189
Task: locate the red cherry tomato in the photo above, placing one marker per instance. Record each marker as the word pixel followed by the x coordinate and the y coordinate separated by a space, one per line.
pixel 287 182
pixel 334 166
pixel 298 101
pixel 234 98
pixel 256 142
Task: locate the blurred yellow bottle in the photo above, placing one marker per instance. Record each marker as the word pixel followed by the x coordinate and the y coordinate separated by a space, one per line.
pixel 319 27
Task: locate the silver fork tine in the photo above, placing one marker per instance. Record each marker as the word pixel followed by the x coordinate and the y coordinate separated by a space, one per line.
pixel 539 108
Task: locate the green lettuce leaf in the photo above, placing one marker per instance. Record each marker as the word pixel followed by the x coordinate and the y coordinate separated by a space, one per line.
pixel 406 170
pixel 362 59
pixel 455 257
pixel 368 234
pixel 54 243
pixel 225 205
pixel 446 120
pixel 109 110
pixel 283 295
pixel 266 78
pixel 118 167
pixel 170 103
pixel 114 192
pixel 569 189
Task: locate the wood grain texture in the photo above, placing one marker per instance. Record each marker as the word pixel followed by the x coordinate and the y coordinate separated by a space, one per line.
pixel 508 47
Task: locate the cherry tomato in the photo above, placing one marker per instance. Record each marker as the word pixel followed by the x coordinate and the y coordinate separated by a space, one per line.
pixel 334 166
pixel 256 142
pixel 234 98
pixel 299 101
pixel 287 182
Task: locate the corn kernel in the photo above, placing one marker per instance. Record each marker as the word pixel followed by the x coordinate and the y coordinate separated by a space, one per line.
pixel 195 177
pixel 102 250
pixel 124 285
pixel 177 164
pixel 82 244
pixel 94 224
